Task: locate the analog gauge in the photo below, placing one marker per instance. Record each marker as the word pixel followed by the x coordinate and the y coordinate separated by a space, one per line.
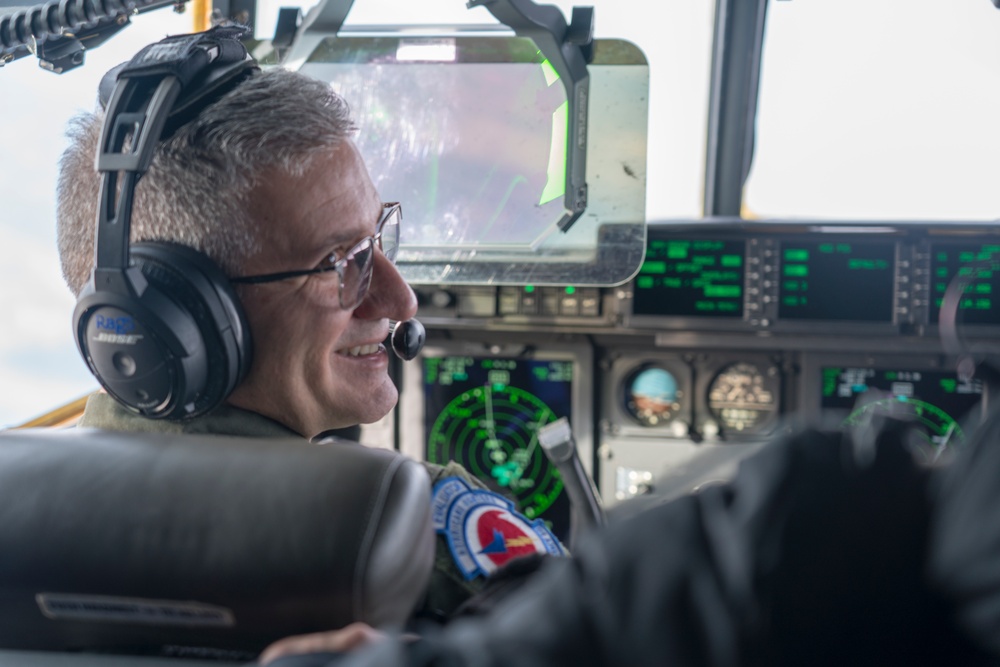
pixel 742 398
pixel 652 395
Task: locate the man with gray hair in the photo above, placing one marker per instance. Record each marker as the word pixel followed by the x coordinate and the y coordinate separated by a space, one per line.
pixel 267 183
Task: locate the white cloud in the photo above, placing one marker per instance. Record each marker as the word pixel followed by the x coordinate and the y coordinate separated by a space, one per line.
pixel 39 365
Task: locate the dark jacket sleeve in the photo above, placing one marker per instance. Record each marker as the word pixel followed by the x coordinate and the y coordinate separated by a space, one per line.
pixel 814 555
pixel 965 558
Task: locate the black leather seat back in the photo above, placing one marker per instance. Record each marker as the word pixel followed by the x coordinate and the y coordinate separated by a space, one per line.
pixel 170 544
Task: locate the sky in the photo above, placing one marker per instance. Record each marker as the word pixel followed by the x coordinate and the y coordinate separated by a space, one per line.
pixel 40 368
pixel 897 125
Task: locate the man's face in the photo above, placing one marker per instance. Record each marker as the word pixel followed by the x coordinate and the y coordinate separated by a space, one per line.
pixel 317 366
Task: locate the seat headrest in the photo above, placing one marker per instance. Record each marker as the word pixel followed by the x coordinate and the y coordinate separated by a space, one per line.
pixel 158 543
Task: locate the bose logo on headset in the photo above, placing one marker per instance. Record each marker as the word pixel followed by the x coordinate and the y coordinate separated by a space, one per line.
pixel 159 324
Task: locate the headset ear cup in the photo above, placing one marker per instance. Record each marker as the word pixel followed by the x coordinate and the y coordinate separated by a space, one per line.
pixel 167 337
pixel 198 285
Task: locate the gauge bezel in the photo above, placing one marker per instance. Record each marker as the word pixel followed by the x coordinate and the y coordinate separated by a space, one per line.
pixel 624 367
pixel 770 370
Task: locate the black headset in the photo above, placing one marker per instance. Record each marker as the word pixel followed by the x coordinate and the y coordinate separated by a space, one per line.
pixel 159 324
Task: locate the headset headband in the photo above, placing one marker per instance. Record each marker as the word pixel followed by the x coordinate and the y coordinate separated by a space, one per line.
pixel 163 87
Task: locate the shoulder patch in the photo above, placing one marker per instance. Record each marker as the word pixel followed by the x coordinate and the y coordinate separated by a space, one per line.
pixel 484 531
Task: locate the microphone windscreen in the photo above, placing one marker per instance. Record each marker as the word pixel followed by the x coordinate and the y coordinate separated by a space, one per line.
pixel 408 338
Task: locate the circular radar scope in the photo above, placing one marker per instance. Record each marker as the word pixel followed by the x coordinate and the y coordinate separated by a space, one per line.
pixel 743 398
pixel 937 427
pixel 493 432
pixel 652 396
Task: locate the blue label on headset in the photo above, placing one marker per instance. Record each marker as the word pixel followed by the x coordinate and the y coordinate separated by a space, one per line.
pixel 118 325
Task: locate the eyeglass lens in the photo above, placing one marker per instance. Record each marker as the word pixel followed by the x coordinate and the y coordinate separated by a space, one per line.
pixel 356 275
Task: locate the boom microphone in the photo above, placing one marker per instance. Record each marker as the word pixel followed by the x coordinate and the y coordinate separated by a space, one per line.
pixel 408 338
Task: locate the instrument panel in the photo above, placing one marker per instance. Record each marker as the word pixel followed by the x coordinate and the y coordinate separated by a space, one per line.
pixel 729 336
pixel 871 280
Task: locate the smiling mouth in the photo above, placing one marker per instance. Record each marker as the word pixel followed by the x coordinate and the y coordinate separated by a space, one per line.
pixel 362 350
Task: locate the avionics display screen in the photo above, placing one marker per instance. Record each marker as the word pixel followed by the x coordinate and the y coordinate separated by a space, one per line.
pixel 977 305
pixel 836 280
pixel 691 277
pixel 936 399
pixel 485 412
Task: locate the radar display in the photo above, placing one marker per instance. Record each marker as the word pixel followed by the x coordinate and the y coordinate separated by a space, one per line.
pixel 484 413
pixel 935 400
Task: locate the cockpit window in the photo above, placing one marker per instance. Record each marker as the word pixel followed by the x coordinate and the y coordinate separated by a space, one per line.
pixel 878 110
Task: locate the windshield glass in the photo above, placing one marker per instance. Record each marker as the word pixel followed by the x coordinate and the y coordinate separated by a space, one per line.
pixel 878 110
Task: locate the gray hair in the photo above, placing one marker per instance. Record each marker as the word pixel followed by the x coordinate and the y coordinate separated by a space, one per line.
pixel 197 187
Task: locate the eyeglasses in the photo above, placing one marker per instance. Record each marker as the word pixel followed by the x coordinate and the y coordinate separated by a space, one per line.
pixel 354 269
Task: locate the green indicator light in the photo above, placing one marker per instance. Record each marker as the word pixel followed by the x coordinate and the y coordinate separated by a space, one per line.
pixel 941 273
pixel 942 257
pixel 796 255
pixel 791 285
pixel 825 248
pixel 723 291
pixel 797 270
pixel 570 289
pixel 891 375
pixel 790 301
pixel 653 267
pixel 487 363
pixel 949 384
pixel 677 251
pixel 498 386
pixel 674 283
pixel 984 288
pixel 966 256
pixel 940 287
pixel 704 306
pixel 844 248
pixel 644 282
pixel 529 288
pixel 732 260
pixel 703 260
pixel 708 245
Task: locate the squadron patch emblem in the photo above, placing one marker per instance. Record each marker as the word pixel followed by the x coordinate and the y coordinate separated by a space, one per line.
pixel 483 529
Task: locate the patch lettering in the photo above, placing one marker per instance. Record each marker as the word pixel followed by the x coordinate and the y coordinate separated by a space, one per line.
pixel 445 492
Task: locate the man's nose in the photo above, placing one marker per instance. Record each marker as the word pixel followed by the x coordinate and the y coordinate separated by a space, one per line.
pixel 389 295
